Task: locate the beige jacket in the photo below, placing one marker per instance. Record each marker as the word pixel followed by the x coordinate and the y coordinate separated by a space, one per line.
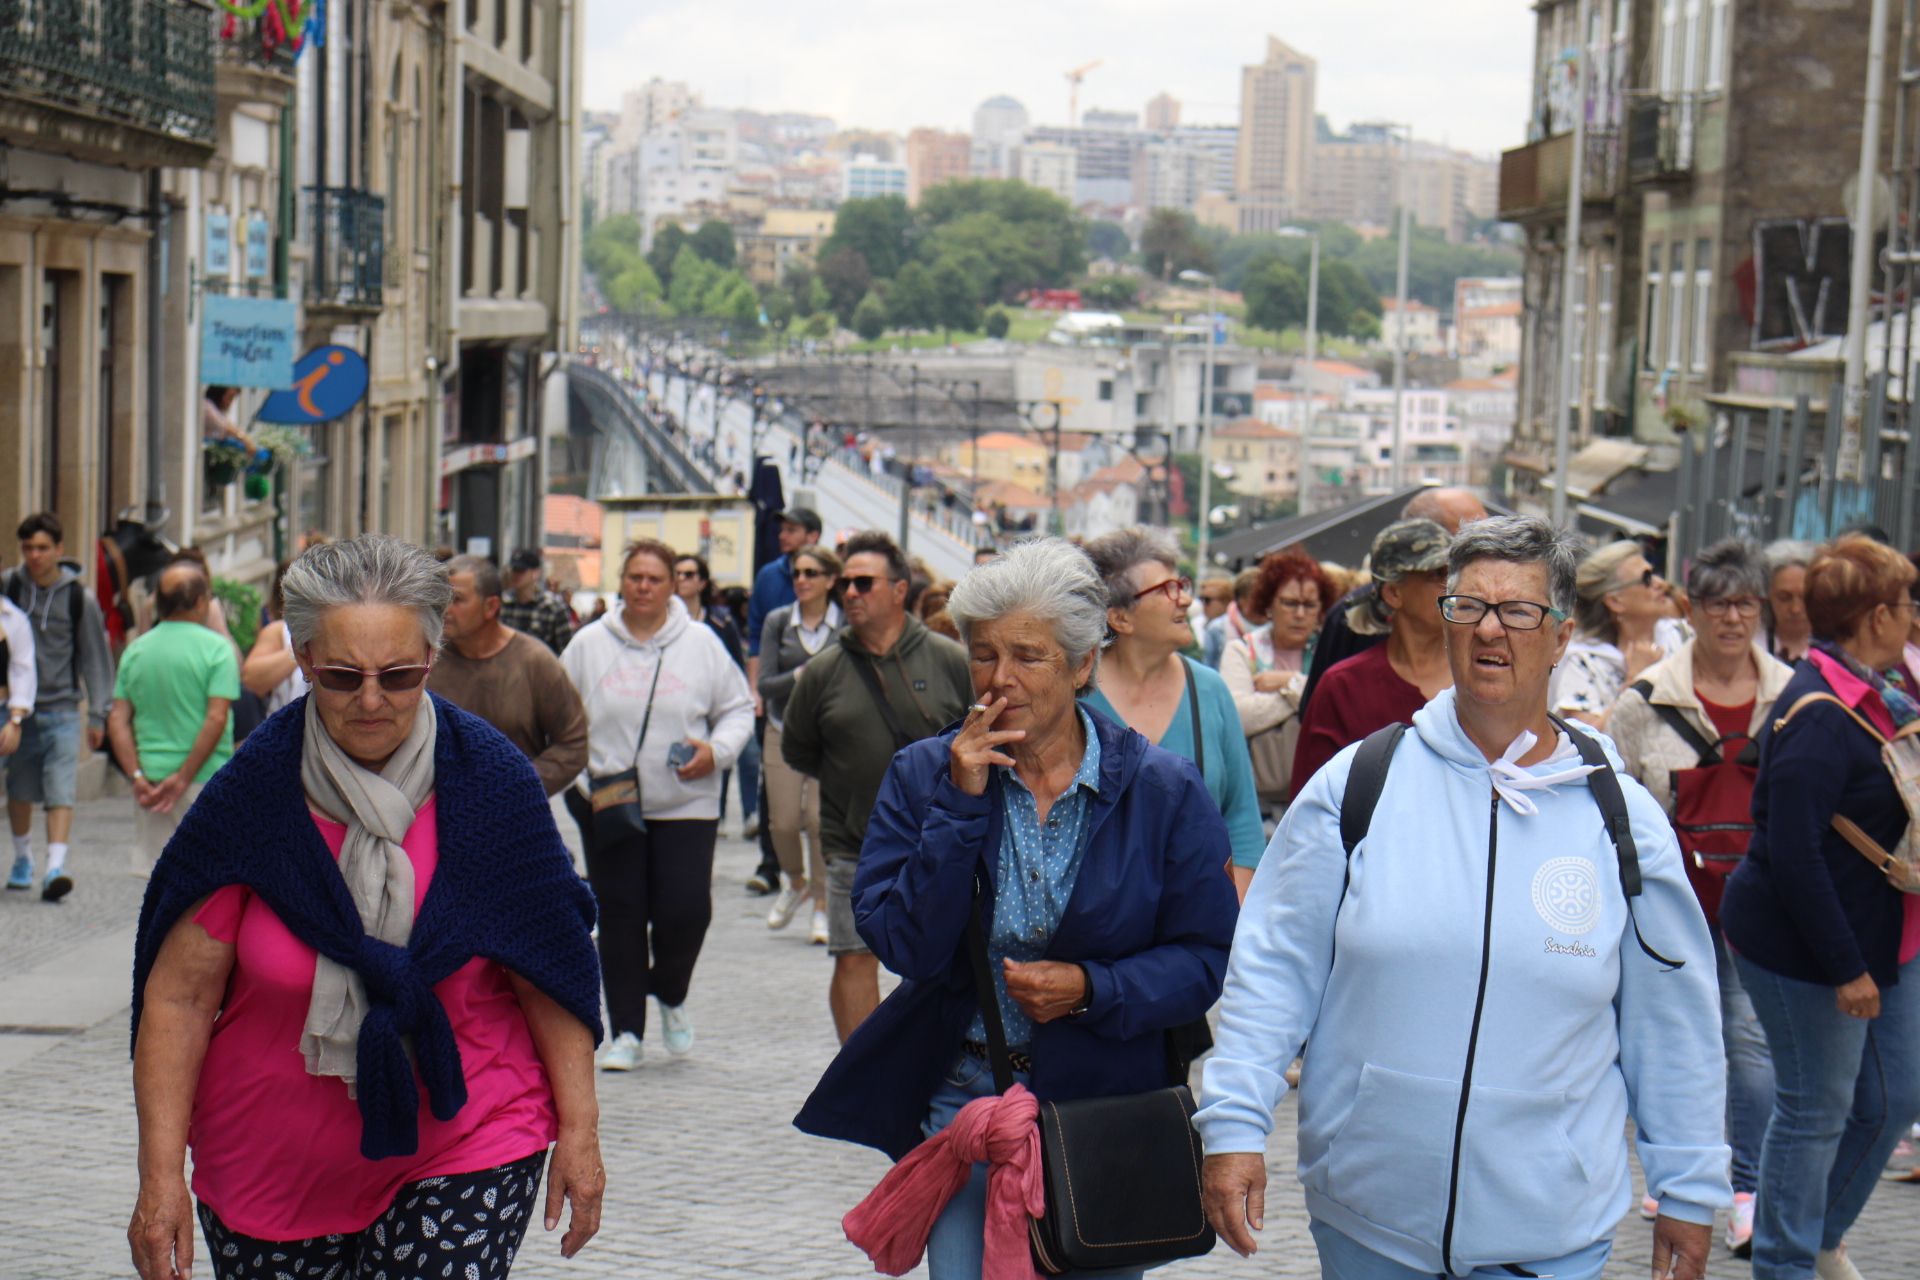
pixel 1259 711
pixel 1650 749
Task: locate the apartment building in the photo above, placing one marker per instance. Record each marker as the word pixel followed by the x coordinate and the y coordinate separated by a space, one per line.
pixel 864 176
pixel 1275 159
pixel 1359 178
pixel 782 238
pixel 934 157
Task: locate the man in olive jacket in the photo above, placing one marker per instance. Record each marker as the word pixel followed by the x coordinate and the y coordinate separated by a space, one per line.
pixel 837 731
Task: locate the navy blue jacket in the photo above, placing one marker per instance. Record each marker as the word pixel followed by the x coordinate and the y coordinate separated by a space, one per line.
pixel 1151 917
pixel 504 889
pixel 772 587
pixel 1803 903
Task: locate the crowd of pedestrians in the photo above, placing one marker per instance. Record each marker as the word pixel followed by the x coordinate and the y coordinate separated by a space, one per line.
pixel 1489 846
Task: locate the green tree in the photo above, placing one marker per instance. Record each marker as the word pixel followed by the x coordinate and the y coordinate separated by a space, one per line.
pixel 612 247
pixel 847 279
pixel 778 304
pixel 1108 240
pixel 911 302
pixel 1053 233
pixel 693 279
pixel 997 323
pixel 1171 243
pixel 879 229
pixel 633 288
pixel 740 307
pixel 1000 257
pixel 956 303
pixel 1110 293
pixel 870 317
pixel 667 243
pixel 817 297
pixel 819 324
pixel 798 280
pixel 1276 297
pixel 714 242
pixel 1345 296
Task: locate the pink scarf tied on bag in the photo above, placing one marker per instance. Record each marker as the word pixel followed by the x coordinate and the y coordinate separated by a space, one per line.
pixel 892 1224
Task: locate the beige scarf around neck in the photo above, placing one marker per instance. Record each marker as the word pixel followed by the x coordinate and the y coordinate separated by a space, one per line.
pixel 377 809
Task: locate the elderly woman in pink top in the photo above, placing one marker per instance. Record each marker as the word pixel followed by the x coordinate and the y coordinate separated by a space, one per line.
pixel 365 994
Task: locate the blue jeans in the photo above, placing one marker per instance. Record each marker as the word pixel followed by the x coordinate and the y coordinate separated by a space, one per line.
pixel 956 1247
pixel 43 768
pixel 1749 1070
pixel 1847 1090
pixel 1344 1258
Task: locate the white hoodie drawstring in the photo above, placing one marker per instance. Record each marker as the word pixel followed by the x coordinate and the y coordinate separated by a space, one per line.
pixel 1511 782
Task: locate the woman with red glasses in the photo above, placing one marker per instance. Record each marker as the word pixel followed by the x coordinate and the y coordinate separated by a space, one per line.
pixel 369 903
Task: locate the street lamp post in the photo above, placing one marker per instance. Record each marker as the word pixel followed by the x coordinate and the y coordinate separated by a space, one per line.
pixel 1206 423
pixel 1302 454
pixel 1396 468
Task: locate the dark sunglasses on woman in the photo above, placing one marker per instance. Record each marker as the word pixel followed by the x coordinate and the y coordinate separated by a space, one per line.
pixel 352 679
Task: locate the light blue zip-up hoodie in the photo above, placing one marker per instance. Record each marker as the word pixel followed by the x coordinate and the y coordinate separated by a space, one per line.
pixel 1533 993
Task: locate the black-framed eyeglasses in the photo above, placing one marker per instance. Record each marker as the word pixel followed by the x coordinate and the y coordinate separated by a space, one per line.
pixel 809 574
pixel 1174 588
pixel 1732 606
pixel 861 583
pixel 338 679
pixel 1514 615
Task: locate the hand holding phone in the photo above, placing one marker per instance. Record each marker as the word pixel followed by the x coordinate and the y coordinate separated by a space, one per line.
pixel 679 755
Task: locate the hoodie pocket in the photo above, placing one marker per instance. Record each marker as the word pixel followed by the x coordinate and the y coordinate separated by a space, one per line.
pixel 1524 1191
pixel 1389 1161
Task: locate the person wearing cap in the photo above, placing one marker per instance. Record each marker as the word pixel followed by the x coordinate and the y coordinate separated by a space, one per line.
pixel 528 606
pixel 1386 682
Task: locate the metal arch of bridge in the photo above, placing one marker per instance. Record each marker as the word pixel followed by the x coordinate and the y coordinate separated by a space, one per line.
pixel 599 406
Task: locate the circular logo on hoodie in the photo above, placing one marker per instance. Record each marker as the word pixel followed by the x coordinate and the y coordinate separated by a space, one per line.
pixel 1566 893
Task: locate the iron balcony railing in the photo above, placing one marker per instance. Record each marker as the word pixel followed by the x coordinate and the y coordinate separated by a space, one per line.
pixel 142 64
pixel 260 44
pixel 1535 179
pixel 349 247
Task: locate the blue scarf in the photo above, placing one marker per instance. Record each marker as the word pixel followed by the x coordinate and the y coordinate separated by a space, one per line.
pixel 505 889
pixel 1900 704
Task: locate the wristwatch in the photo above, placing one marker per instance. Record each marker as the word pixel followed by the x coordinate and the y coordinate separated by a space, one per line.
pixel 1086 1001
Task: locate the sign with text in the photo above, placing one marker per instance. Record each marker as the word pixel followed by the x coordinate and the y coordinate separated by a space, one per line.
pixel 258 236
pixel 247 342
pixel 327 383
pixel 219 242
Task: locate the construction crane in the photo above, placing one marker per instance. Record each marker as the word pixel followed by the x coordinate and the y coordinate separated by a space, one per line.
pixel 1074 77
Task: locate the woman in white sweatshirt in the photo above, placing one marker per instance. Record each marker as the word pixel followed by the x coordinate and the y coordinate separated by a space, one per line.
pixel 663 697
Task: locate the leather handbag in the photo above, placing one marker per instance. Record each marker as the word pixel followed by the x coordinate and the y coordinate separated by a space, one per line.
pixel 1122 1173
pixel 619 814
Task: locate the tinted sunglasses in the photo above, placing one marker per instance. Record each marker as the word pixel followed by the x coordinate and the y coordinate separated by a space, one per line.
pixel 861 583
pixel 353 679
pixel 809 574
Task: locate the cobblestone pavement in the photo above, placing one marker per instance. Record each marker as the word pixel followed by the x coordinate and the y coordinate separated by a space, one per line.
pixel 707 1178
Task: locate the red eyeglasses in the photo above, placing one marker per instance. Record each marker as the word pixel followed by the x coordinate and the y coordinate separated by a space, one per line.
pixel 336 679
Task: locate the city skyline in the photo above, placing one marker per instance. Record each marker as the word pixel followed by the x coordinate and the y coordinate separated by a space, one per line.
pixel 892 68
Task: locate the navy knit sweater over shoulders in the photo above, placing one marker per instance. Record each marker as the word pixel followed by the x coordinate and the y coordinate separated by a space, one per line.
pixel 504 890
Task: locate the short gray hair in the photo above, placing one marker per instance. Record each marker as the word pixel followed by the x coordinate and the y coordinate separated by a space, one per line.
pixel 374 568
pixel 486 574
pixel 1788 553
pixel 1116 555
pixel 1047 577
pixel 1730 567
pixel 1518 540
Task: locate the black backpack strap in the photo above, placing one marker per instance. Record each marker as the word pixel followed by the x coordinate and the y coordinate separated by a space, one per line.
pixel 1605 785
pixel 985 992
pixel 1705 752
pixel 1365 781
pixel 1193 713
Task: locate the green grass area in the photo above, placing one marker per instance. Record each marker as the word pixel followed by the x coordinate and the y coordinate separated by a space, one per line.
pixel 1022 326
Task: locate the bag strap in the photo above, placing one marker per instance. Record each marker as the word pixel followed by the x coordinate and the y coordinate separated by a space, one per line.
pixel 646 721
pixel 1806 698
pixel 1706 753
pixel 870 677
pixel 1365 781
pixel 1193 714
pixel 998 1056
pixel 1605 785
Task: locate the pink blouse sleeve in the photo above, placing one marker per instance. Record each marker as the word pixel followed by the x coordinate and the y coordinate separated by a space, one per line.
pixel 220 914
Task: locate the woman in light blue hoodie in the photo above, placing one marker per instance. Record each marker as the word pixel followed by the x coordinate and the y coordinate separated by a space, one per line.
pixel 1481 1003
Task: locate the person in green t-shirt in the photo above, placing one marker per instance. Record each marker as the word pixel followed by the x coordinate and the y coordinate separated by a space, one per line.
pixel 169 726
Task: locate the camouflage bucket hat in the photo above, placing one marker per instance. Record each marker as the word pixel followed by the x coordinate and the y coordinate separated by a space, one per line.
pixel 1404 547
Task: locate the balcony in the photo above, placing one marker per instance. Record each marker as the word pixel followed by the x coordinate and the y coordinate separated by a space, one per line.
pixel 255 54
pixel 1534 179
pixel 349 249
pixel 126 82
pixel 1660 137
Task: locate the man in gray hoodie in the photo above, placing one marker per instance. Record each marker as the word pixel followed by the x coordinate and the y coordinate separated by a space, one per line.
pixel 72 654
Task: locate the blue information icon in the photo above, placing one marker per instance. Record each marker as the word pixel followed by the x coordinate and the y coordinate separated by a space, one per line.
pixel 327 382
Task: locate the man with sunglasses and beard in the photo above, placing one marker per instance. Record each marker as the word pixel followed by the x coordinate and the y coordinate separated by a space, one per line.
pixel 889 682
pixel 169 726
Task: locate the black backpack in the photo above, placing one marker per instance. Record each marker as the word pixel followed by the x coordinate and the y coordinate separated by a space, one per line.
pixel 1368 778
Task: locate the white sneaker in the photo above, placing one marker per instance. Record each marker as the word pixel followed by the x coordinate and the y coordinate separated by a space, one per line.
pixel 676 1028
pixel 623 1054
pixel 820 936
pixel 1833 1264
pixel 785 906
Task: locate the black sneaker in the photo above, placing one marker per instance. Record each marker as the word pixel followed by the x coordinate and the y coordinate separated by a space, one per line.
pixel 764 881
pixel 59 884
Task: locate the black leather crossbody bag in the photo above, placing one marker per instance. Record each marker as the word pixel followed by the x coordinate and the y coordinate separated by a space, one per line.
pixel 1122 1173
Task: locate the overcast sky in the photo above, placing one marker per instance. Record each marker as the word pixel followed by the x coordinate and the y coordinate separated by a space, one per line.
pixel 1459 69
